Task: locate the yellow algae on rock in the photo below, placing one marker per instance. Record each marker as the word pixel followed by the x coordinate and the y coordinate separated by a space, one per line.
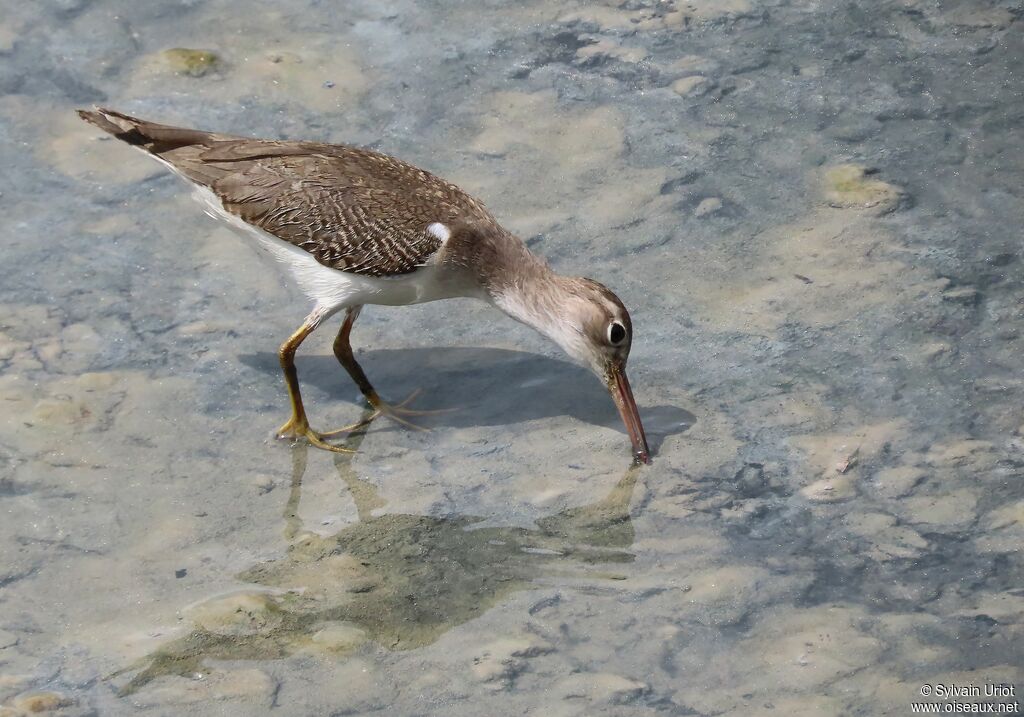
pixel 194 63
pixel 315 72
pixel 40 702
pixel 850 186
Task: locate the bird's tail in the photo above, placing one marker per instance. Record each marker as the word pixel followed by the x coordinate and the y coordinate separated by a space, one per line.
pixel 185 151
pixel 150 136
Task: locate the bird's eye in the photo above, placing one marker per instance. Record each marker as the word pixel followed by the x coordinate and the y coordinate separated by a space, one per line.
pixel 616 333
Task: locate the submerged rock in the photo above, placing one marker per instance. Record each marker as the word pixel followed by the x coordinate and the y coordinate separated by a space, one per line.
pixel 10 347
pixel 339 637
pixel 501 661
pixel 692 86
pixel 600 688
pixel 604 50
pixel 830 490
pixel 711 205
pixel 40 702
pixel 249 684
pixel 949 512
pixel 966 295
pixel 194 63
pixel 899 481
pixel 850 186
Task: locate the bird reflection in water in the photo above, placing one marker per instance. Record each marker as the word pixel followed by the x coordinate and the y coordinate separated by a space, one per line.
pixel 396 579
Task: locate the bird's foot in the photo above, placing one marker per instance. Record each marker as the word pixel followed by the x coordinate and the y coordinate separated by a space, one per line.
pixel 296 428
pixel 396 412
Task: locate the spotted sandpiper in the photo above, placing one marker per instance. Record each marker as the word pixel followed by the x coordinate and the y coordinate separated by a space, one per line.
pixel 358 227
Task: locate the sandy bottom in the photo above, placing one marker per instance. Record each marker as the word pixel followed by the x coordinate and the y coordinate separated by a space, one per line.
pixel 812 211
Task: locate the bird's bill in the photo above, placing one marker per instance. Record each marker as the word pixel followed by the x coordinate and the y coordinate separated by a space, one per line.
pixel 618 385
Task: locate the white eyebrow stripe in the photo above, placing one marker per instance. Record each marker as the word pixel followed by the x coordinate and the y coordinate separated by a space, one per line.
pixel 440 231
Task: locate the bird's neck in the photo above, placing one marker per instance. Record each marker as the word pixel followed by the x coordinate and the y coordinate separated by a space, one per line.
pixel 530 292
pixel 504 271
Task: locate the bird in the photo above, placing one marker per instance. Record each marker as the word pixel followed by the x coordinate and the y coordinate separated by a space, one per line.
pixel 355 227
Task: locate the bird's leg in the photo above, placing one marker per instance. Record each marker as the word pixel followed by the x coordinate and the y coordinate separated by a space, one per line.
pixel 343 352
pixel 298 425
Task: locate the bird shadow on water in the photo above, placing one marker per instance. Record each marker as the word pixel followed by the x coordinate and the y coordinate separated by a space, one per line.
pixel 397 580
pixel 483 386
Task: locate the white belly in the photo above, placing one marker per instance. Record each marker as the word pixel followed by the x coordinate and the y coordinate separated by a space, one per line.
pixel 331 289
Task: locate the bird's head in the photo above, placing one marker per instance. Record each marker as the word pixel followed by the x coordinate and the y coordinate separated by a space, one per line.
pixel 590 323
pixel 596 331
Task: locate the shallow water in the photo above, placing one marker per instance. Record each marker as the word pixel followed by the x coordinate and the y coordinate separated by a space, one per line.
pixel 812 210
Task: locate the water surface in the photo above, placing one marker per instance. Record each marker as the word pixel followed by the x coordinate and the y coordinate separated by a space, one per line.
pixel 812 210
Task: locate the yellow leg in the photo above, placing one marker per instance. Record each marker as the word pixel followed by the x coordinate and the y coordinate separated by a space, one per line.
pixel 343 352
pixel 298 425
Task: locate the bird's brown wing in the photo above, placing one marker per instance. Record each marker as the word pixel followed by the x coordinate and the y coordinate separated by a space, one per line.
pixel 344 221
pixel 353 209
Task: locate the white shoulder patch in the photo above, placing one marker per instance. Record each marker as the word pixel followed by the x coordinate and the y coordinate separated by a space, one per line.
pixel 440 231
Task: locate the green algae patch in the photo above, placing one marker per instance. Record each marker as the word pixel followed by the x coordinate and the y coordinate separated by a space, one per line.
pixel 851 186
pixel 194 63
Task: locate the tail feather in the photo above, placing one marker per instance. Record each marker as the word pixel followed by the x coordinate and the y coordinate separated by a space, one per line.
pixel 153 137
pixel 179 148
